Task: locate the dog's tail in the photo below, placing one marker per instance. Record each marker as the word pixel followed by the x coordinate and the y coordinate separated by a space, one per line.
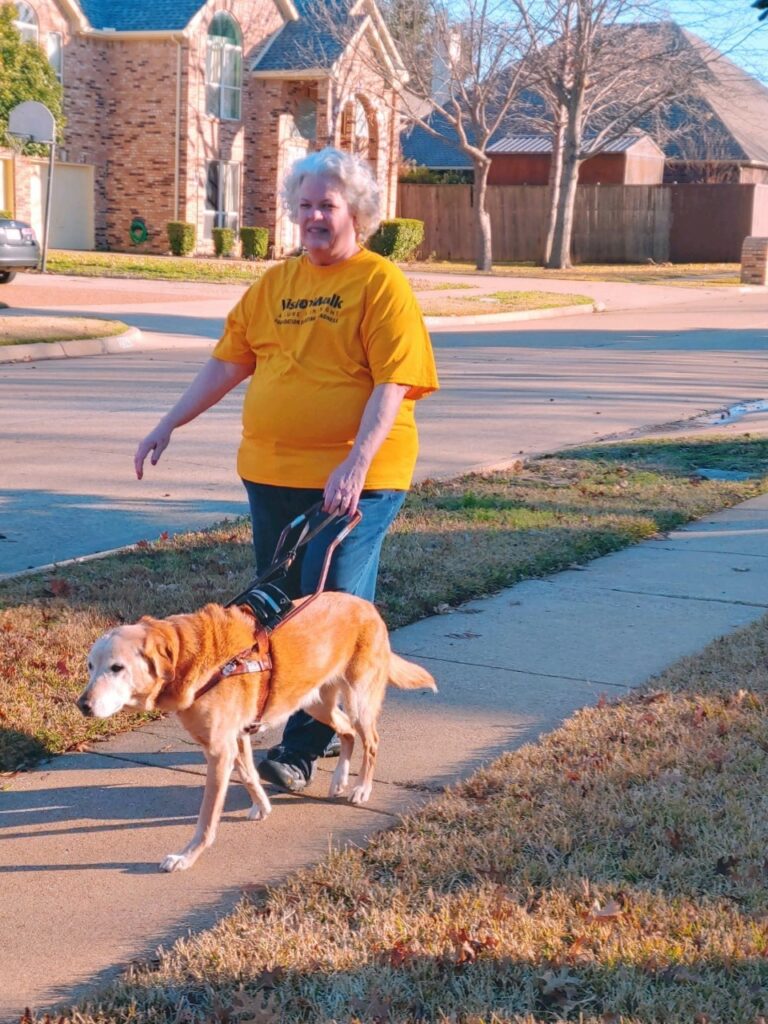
pixel 407 676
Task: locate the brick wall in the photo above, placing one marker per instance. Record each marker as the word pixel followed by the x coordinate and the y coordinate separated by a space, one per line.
pixel 754 261
pixel 120 104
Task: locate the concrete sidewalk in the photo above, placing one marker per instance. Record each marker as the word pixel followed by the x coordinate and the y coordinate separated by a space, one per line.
pixel 82 838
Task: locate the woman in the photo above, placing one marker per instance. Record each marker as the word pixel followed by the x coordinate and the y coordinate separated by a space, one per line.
pixel 337 353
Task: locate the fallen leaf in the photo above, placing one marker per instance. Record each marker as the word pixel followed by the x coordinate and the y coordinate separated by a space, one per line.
pixel 270 977
pixel 609 912
pixel 726 865
pixel 255 1007
pixel 675 839
pixel 401 954
pixel 375 1007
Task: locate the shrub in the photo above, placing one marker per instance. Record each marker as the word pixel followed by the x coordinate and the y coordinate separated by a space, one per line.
pixel 255 243
pixel 181 237
pixel 398 239
pixel 223 241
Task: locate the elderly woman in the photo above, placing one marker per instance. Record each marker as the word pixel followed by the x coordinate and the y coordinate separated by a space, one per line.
pixel 337 353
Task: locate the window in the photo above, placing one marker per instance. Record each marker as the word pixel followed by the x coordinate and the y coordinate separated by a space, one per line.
pixel 26 23
pixel 56 53
pixel 224 68
pixel 305 120
pixel 222 197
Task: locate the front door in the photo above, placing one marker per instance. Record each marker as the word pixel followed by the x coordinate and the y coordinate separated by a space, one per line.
pixel 295 149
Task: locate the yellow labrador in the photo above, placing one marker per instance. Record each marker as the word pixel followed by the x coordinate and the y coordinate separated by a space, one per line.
pixel 336 649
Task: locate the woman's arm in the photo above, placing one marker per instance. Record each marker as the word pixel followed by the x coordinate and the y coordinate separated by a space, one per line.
pixel 215 379
pixel 345 484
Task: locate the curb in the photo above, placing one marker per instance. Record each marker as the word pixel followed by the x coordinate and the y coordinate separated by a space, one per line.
pixel 501 318
pixel 133 339
pixel 68 349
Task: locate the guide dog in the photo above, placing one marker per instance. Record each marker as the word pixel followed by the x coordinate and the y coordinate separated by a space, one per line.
pixel 212 668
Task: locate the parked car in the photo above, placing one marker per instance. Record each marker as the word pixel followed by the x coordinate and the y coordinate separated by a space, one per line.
pixel 18 249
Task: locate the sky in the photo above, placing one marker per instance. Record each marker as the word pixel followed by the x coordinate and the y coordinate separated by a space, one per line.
pixel 730 25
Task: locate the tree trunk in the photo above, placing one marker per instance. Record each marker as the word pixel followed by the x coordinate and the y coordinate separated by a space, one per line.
pixel 560 254
pixel 484 259
pixel 555 174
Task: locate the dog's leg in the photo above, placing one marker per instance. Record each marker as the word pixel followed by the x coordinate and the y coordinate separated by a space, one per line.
pixel 220 764
pixel 333 715
pixel 368 696
pixel 370 737
pixel 247 771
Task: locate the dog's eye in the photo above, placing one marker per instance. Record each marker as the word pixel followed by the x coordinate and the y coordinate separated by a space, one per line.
pixel 117 667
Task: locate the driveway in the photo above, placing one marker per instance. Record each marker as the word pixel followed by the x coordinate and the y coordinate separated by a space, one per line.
pixel 657 355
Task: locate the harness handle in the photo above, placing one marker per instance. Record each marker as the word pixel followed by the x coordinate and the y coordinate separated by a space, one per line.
pixel 344 532
pixel 282 559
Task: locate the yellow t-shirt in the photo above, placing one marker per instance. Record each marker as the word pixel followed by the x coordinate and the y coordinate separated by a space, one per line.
pixel 323 338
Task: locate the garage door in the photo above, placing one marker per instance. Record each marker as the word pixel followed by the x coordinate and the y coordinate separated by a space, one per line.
pixel 71 205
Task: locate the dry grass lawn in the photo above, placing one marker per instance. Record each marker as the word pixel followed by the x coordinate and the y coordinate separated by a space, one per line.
pixel 497 302
pixel 21 330
pixel 699 274
pixel 613 873
pixel 454 540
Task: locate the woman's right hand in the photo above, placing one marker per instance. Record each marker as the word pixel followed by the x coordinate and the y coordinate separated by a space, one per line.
pixel 156 441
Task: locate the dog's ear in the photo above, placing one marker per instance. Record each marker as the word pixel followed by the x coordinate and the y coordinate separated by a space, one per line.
pixel 161 651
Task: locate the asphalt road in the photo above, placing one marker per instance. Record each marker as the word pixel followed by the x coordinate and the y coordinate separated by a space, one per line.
pixel 655 356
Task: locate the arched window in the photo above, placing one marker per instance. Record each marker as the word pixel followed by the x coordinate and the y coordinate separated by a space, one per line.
pixel 305 119
pixel 224 68
pixel 26 22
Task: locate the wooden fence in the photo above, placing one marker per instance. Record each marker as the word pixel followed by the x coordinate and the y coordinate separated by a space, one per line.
pixel 612 223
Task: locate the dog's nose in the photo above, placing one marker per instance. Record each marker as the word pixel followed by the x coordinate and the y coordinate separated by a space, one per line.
pixel 85 706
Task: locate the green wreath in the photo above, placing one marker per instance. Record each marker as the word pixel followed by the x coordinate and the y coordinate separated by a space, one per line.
pixel 138 231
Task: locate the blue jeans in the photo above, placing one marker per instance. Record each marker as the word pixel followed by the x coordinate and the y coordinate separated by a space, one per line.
pixel 353 570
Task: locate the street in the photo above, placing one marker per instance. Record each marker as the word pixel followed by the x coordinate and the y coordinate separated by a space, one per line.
pixel 656 355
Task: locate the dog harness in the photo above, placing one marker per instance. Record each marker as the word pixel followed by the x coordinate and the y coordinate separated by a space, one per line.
pixel 270 607
pixel 248 662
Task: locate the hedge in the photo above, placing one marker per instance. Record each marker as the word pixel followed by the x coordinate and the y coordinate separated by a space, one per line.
pixel 223 241
pixel 255 243
pixel 181 237
pixel 398 239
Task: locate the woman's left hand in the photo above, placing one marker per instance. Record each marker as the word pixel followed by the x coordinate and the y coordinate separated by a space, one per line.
pixel 344 487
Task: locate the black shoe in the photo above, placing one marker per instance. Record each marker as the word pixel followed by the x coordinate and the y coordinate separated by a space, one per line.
pixel 285 775
pixel 334 747
pixel 278 753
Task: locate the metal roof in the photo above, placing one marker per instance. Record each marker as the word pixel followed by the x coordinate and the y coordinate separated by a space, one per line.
pixel 519 144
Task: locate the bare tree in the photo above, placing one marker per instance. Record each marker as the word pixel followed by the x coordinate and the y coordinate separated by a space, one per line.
pixel 603 66
pixel 465 76
pixel 466 61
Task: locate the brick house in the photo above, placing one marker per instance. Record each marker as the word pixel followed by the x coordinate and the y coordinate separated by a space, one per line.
pixel 190 110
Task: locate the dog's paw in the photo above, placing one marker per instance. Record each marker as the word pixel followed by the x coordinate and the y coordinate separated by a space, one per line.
pixel 360 794
pixel 175 862
pixel 257 813
pixel 336 789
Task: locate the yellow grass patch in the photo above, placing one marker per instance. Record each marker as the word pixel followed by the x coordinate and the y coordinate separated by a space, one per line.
pixel 19 330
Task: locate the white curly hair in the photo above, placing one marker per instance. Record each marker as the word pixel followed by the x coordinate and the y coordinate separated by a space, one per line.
pixel 357 184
